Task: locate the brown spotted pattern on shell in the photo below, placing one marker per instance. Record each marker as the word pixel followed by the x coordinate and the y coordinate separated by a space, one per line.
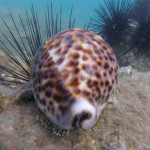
pixel 73 74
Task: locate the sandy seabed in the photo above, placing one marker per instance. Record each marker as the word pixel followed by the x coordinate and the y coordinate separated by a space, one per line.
pixel 124 125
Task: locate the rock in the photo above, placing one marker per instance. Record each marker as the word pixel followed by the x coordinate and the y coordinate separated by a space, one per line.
pixel 125 71
pixel 123 125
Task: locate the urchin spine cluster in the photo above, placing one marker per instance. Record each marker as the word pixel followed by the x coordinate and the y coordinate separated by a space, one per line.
pixel 122 23
pixel 111 20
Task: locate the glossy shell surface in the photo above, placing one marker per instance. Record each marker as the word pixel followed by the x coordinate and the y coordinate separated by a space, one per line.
pixel 73 75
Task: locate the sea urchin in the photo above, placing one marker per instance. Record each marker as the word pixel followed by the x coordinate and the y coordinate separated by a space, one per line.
pixel 111 20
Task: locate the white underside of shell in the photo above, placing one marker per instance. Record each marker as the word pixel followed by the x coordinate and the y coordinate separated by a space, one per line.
pixel 79 107
pixel 82 105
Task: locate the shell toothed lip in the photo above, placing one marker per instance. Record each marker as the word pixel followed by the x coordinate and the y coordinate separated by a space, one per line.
pixel 73 75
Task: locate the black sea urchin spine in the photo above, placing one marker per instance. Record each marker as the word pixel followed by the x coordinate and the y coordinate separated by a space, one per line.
pixel 21 51
pixel 111 20
pixel 54 24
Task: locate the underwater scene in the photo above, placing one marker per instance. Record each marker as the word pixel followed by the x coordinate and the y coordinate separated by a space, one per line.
pixel 74 74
